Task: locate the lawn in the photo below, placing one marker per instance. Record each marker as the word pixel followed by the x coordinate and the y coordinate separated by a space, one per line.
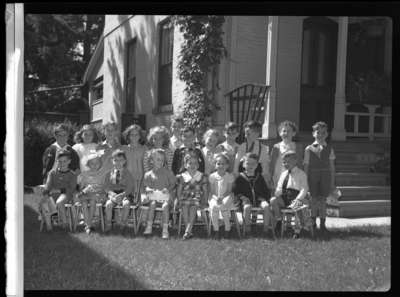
pixel 356 259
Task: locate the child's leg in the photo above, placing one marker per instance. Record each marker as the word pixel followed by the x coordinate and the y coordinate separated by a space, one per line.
pixel 165 218
pixel 185 214
pixel 226 211
pixel 150 218
pixel 61 200
pixel 45 212
pixel 246 214
pixel 109 208
pixel 266 214
pixel 92 210
pixel 85 211
pixel 214 209
pixel 125 210
pixel 192 218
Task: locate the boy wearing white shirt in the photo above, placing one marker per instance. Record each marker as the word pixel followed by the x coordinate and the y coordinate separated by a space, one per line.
pixel 291 191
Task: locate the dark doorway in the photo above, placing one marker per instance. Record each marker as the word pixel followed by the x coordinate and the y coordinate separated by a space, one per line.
pixel 318 72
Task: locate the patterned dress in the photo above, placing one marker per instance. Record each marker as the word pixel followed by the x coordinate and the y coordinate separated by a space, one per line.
pixel 192 188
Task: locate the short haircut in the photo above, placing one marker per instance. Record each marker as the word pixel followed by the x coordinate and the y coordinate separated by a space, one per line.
pixel 251 156
pixel 231 126
pixel 158 129
pixel 60 127
pixel 319 125
pixel 254 125
pixel 188 129
pixel 222 155
pixel 118 153
pixel 210 132
pixel 64 153
pixel 289 154
pixel 134 127
pixel 290 124
pixel 78 135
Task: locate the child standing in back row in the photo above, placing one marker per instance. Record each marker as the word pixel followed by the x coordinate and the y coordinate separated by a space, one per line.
pixel 319 166
pixel 211 138
pixel 230 146
pixel 287 130
pixel 86 141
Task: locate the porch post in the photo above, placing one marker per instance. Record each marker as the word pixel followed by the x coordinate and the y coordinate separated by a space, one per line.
pixel 14 147
pixel 338 131
pixel 269 125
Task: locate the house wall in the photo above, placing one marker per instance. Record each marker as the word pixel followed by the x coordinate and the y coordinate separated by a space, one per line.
pixel 289 68
pixel 144 29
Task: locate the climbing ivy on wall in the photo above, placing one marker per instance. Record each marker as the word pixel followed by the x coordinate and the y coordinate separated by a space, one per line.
pixel 202 50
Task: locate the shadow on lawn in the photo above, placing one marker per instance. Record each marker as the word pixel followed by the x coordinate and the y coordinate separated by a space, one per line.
pixel 364 231
pixel 57 261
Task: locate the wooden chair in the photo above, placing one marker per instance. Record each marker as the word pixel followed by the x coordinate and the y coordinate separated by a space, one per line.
pixel 254 220
pixel 131 220
pixel 157 216
pixel 234 220
pixel 289 219
pixel 247 102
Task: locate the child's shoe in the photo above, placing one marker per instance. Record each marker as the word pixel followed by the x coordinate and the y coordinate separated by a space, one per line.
pixel 187 235
pixel 165 234
pixel 148 230
pixel 88 230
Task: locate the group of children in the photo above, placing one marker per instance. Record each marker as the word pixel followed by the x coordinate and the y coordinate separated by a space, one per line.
pixel 220 175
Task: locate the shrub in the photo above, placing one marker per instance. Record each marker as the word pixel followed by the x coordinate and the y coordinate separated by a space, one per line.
pixel 38 135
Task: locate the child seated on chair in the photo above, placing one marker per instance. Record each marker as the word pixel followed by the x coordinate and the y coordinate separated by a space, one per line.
pixel 159 178
pixel 119 186
pixel 192 191
pixel 91 183
pixel 252 191
pixel 220 196
pixel 291 192
pixel 60 186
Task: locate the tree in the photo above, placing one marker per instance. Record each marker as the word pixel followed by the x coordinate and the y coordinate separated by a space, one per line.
pixel 57 51
pixel 202 50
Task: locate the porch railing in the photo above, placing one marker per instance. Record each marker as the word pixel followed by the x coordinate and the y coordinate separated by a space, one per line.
pixel 372 124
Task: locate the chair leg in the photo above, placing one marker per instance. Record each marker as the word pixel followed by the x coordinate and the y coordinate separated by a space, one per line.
pixel 101 215
pixel 76 219
pixel 139 220
pixel 283 225
pixel 180 223
pixel 205 219
pixel 134 221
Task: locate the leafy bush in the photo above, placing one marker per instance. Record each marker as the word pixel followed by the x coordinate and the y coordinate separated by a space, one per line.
pixel 38 135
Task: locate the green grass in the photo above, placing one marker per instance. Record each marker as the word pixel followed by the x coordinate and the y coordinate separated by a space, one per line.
pixel 356 259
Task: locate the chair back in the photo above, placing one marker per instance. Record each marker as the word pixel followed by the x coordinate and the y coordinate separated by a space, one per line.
pixel 247 102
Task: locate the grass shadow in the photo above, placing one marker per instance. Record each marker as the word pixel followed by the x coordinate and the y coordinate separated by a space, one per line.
pixel 51 262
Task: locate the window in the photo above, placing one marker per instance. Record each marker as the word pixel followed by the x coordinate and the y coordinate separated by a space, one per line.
pixel 131 76
pixel 97 89
pixel 165 63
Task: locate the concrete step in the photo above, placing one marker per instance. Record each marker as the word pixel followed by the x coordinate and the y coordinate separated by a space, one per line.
pixel 352 167
pixel 365 193
pixel 366 208
pixel 359 158
pixel 360 179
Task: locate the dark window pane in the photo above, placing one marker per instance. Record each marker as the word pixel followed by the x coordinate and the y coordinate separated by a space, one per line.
pixel 130 95
pixel 378 125
pixel 165 64
pixel 363 124
pixel 349 123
